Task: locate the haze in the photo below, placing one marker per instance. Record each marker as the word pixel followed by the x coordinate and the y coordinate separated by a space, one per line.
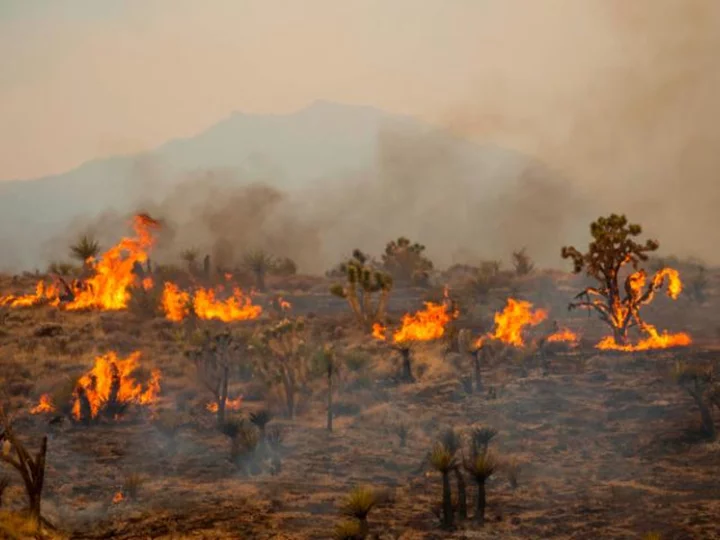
pixel 619 97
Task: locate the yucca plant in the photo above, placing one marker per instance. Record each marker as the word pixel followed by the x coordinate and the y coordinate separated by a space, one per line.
pixel 85 248
pixel 481 466
pixel 358 504
pixel 451 440
pixel 442 459
pixel 348 530
pixel 480 439
pixel 261 419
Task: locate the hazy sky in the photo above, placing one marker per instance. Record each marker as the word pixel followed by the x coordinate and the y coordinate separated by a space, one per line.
pixel 85 78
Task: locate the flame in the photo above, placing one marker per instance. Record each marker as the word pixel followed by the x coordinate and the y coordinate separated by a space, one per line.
pixel 111 379
pixel 511 321
pixel 426 325
pixel 284 304
pixel 45 405
pixel 113 276
pixel 655 340
pixel 564 335
pixel 238 307
pixel 44 293
pixel 175 303
pixel 230 405
pixel 118 497
pixel 147 283
pixel 675 285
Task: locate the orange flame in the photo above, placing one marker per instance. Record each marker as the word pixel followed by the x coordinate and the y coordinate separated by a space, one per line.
pixel 118 497
pixel 43 294
pixel 426 325
pixel 107 372
pixel 238 307
pixel 230 405
pixel 175 303
pixel 655 340
pixel 284 304
pixel 113 276
pixel 564 335
pixel 45 405
pixel 511 321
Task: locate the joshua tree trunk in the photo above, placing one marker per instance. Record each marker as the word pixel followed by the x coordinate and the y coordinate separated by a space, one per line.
pixel 476 369
pixel 480 504
pixel 447 509
pixel 330 400
pixel 364 528
pixel 222 398
pixel 462 494
pixel 406 365
pixel 206 267
pixel 620 334
pixel 260 280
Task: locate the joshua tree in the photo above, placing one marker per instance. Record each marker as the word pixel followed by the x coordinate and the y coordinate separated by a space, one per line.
pixel 282 357
pixel 31 469
pixel 260 263
pixel 522 262
pixel 481 466
pixel 480 439
pixel 85 248
pixel 347 530
pixel 405 261
pixel 468 343
pixel 190 256
pixel 451 441
pixel 700 382
pixel 443 461
pixel 260 420
pixel 358 504
pixel 362 282
pixel 244 440
pixel 331 365
pixel 613 248
pixel 213 362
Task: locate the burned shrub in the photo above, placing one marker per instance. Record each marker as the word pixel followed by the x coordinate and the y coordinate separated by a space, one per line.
pixel 244 442
pixel 30 468
pixel 522 263
pixel 282 361
pixel 362 281
pixel 216 359
pixel 701 383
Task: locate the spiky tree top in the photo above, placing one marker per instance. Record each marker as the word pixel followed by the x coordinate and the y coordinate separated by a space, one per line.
pixel 612 247
pixel 405 260
pixel 362 280
pixel 85 248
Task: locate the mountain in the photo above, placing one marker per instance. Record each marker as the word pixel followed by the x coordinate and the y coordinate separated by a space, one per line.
pixel 325 144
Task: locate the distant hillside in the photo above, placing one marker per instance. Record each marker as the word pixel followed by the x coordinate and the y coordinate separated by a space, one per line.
pixel 325 146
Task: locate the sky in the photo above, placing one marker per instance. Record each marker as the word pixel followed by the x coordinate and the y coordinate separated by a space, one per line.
pixel 81 79
pixel 619 96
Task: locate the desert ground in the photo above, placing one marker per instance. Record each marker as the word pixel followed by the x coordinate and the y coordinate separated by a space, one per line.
pixel 603 444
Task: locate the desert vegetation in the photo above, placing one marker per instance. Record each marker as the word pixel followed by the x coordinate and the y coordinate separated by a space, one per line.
pixel 386 399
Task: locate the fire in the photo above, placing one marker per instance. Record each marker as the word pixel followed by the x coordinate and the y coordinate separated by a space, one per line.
pixel 284 304
pixel 118 497
pixel 175 303
pixel 655 340
pixel 45 405
pixel 426 325
pixel 564 335
pixel 110 384
pixel 230 405
pixel 147 283
pixel 238 307
pixel 44 293
pixel 113 275
pixel 204 303
pixel 511 321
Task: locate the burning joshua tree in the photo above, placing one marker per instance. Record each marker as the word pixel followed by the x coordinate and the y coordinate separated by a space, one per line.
pixel 613 248
pixel 204 304
pixel 426 325
pixel 109 388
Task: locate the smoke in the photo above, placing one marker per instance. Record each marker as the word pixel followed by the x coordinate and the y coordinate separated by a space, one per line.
pixel 624 101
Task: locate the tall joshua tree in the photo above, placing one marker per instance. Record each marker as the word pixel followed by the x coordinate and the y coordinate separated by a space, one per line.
pixel 404 260
pixel 260 263
pixel 613 248
pixel 85 248
pixel 443 460
pixel 362 282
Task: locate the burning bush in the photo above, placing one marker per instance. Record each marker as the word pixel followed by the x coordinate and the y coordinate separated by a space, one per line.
pixel 205 304
pixel 612 249
pixel 405 262
pixel 110 388
pixel 426 325
pixel 362 282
